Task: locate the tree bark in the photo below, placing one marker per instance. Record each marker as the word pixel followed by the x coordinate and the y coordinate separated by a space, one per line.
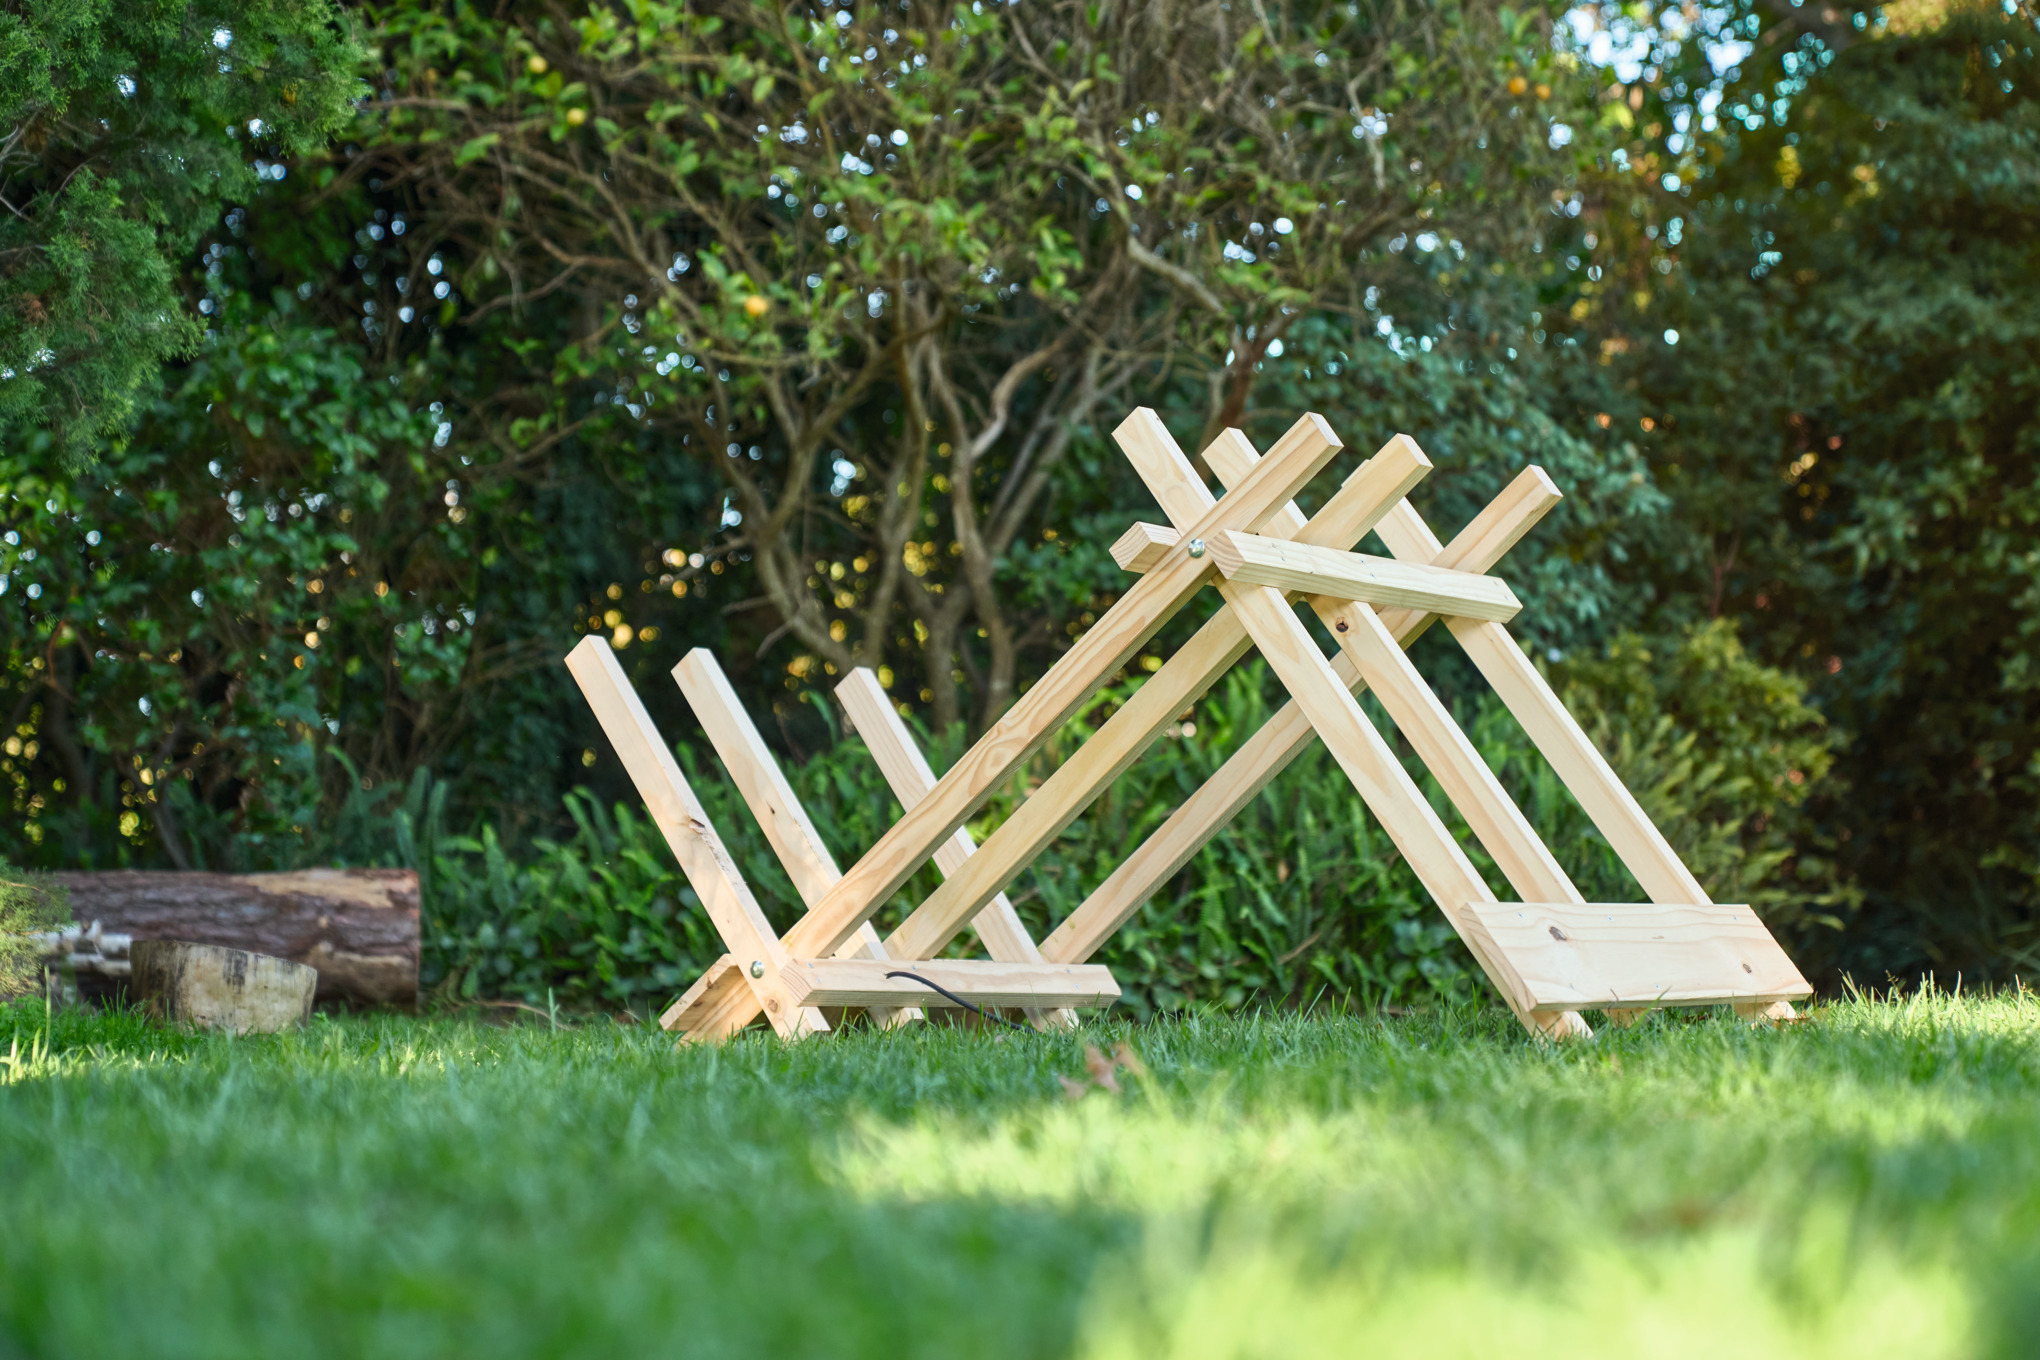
pixel 358 927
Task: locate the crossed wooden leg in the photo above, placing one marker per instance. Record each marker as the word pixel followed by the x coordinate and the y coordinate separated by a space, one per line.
pixel 1684 948
pixel 1327 700
pixel 718 1004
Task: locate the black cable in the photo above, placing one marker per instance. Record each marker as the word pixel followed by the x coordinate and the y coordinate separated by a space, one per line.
pixel 938 987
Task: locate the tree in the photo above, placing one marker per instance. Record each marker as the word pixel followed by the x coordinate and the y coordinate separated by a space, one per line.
pixel 1849 421
pixel 124 129
pixel 882 270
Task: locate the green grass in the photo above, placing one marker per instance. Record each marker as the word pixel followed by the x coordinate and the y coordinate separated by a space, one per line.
pixel 1434 1185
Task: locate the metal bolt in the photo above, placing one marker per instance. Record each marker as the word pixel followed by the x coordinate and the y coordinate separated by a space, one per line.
pixel 1340 625
pixel 757 968
pixel 1197 547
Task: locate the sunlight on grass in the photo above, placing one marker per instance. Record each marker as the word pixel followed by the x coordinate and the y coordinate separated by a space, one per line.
pixel 1867 1184
pixel 1720 1293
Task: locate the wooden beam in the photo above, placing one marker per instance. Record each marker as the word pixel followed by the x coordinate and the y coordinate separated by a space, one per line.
pixel 681 819
pixel 1143 546
pixel 1628 956
pixel 1565 746
pixel 1268 751
pixel 1211 651
pixel 762 784
pixel 1326 699
pixel 1091 661
pixel 906 770
pixel 1257 560
pixel 982 982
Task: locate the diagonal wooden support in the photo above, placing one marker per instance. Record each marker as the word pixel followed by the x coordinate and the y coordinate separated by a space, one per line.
pixel 787 827
pixel 1572 755
pixel 1408 818
pixel 1095 657
pixel 906 770
pixel 1377 486
pixel 1264 755
pixel 703 858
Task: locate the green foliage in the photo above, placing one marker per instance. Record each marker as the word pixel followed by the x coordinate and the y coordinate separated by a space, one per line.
pixel 1722 753
pixel 1850 427
pixel 200 615
pixel 1339 1186
pixel 27 905
pixel 124 129
pixel 887 302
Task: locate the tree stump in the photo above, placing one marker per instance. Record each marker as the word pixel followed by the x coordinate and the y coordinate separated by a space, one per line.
pixel 221 988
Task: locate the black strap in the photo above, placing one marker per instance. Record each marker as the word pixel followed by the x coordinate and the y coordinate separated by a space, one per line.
pixel 938 987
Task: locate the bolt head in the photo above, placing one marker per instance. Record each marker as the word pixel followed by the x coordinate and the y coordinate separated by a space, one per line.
pixel 1197 547
pixel 757 968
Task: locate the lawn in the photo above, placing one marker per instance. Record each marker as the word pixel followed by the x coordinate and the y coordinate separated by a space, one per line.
pixel 1864 1184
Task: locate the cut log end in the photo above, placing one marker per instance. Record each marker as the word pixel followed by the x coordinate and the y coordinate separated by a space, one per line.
pixel 219 988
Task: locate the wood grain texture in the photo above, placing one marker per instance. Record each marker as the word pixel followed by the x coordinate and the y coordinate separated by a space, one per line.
pixel 358 927
pixel 681 819
pixel 792 834
pixel 219 988
pixel 1268 751
pixel 1139 722
pixel 1143 546
pixel 984 982
pixel 1254 559
pixel 1557 736
pixel 1327 700
pixel 908 774
pixel 1631 956
pixel 1094 658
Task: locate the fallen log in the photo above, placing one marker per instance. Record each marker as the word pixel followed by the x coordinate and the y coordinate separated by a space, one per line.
pixel 358 927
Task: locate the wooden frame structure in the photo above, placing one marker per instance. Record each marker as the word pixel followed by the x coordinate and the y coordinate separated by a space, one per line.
pixel 1551 955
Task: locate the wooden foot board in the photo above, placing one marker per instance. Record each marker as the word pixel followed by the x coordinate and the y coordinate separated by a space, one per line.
pixel 1629 956
pixel 982 982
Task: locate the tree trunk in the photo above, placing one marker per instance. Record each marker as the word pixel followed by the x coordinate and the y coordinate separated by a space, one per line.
pixel 358 927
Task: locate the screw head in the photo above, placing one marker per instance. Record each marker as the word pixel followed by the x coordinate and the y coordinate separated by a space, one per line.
pixel 1197 547
pixel 757 968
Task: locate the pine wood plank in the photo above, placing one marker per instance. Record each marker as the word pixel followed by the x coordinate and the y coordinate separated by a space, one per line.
pixel 1093 659
pixel 1327 700
pixel 1366 495
pixel 907 772
pixel 1255 559
pixel 984 982
pixel 762 784
pixel 1379 659
pixel 1633 956
pixel 1280 740
pixel 1143 546
pixel 1558 737
pixel 680 818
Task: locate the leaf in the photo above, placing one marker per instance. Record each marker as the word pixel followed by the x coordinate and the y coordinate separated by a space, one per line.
pixel 476 148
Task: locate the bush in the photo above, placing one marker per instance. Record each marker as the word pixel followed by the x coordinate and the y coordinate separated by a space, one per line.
pixel 27 905
pixel 1722 752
